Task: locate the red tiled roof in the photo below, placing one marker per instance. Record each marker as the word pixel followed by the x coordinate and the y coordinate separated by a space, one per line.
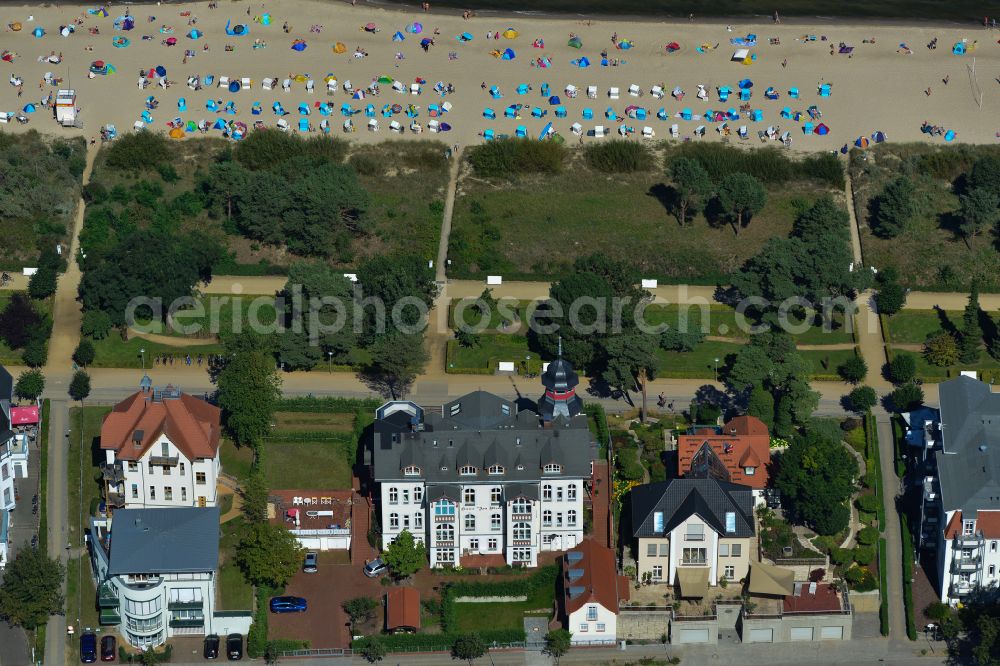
pixel 599 578
pixel 743 442
pixel 191 424
pixel 825 599
pixel 988 522
pixel 402 608
pixel 954 526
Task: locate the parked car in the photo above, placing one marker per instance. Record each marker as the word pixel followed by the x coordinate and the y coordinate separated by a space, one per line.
pixel 88 647
pixel 288 605
pixel 109 648
pixel 376 568
pixel 311 563
pixel 211 647
pixel 234 645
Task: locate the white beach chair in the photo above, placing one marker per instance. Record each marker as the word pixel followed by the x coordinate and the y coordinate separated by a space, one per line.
pixel 699 130
pixel 267 84
pixel 223 81
pixel 310 86
pixel 592 92
pixel 348 88
pixel 599 131
pixel 614 93
pixel 414 88
pixel 743 132
pixel 570 91
pixel 348 125
pixel 372 125
pixel 656 92
pixel 674 131
pixel 286 85
pixel 446 107
pixel 282 124
pixel 416 127
pixel 648 133
pixel 634 90
pixel 434 126
pixel 399 86
pixel 246 83
pixel 576 128
pixel 137 125
pixel 395 126
pixel 331 86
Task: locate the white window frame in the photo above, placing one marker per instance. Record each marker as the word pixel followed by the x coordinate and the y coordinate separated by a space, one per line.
pixel 546 518
pixel 393 495
pixel 496 470
pixel 466 494
pixel 467 470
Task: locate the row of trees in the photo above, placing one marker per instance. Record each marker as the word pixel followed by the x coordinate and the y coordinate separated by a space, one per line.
pixel 737 197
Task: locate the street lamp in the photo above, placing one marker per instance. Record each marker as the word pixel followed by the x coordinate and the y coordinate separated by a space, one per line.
pixel 716 369
pixel 142 353
pixel 329 358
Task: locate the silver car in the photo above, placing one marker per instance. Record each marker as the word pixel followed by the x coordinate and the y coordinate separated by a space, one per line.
pixel 376 568
pixel 311 563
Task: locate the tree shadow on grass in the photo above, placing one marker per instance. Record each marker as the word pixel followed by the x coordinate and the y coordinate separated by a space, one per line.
pixel 666 195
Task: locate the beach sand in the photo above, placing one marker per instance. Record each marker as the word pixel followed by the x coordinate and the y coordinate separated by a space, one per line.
pixel 876 89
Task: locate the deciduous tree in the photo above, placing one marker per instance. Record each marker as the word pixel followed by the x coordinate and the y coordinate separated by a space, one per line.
pixel 941 349
pixel 742 196
pixel 32 589
pixel 79 386
pixel 405 556
pixel 30 385
pixel 557 643
pixel 862 398
pixel 396 360
pixel 692 187
pixel 249 388
pixel 268 554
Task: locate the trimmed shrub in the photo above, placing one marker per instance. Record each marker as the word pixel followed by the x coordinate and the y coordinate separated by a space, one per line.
pixel 511 157
pixel 768 164
pixel 864 555
pixel 618 156
pixel 868 535
pixel 868 504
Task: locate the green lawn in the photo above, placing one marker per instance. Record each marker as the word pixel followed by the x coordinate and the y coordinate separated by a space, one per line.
pixel 496 227
pixel 236 461
pixel 824 363
pixel 111 352
pixel 913 326
pixel 507 311
pixel 988 368
pixel 217 315
pixel 81 595
pixel 309 464
pixel 236 593
pixel 473 617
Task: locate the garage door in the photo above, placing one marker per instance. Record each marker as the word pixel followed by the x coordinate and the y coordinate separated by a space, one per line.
pixel 761 636
pixel 832 633
pixel 693 636
pixel 802 633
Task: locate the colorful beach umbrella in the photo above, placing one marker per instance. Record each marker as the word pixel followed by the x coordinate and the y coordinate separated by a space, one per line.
pixel 415 28
pixel 38 32
pixel 195 34
pixel 299 45
pixel 339 47
pixel 120 42
pixel 510 33
pixel 575 42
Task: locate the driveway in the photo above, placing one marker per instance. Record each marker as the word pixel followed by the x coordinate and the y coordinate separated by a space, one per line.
pixel 325 624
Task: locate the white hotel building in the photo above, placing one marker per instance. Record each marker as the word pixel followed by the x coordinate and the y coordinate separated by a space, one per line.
pixel 484 477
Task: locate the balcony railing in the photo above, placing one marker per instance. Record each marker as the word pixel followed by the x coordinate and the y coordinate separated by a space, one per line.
pixel 694 560
pixel 187 622
pixel 966 564
pixel 959 589
pixel 107 598
pixel 116 500
pixel 967 540
pixel 110 616
pixel 112 473
pixel 164 461
pixel 694 537
pixel 185 605
pixel 518 517
pixel 444 518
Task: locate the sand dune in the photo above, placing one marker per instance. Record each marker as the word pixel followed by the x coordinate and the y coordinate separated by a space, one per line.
pixel 877 88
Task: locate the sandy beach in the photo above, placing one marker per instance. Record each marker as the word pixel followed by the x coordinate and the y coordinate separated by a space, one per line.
pixel 874 88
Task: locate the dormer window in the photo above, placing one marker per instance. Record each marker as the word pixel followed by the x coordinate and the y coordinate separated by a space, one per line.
pixel 467 470
pixel 444 468
pixel 496 469
pixel 520 468
pixel 411 470
pixel 552 468
pixel 749 471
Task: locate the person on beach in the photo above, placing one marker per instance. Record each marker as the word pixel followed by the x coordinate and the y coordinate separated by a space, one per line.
pixel 945 79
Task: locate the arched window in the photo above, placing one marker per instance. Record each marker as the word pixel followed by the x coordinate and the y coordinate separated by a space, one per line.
pixel 520 505
pixel 547 518
pixel 571 518
pixel 444 532
pixel 496 469
pixel 411 470
pixel 521 531
pixel 467 470
pixel 469 496
pixel 553 468
pixel 470 522
pixel 393 495
pixel 547 492
pixel 394 521
pixel 571 492
pixel 496 522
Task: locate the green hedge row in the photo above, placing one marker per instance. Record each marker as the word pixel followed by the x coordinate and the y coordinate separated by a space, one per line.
pixel 330 403
pixel 417 642
pixel 883 609
pixel 544 577
pixel 309 436
pixel 603 434
pixel 907 538
pixel 871 433
pixel 257 637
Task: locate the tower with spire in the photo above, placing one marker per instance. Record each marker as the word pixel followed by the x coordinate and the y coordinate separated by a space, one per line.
pixel 560 398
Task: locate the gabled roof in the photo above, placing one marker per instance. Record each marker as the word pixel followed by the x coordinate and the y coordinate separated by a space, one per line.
pixel 679 499
pixel 173 540
pixel 741 443
pixel 969 462
pixel 402 608
pixel 589 576
pixel 135 423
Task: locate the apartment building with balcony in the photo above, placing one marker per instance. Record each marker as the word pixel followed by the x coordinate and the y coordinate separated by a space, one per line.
pixel 156 572
pixel 693 532
pixel 161 449
pixel 961 492
pixel 486 476
pixel 16 423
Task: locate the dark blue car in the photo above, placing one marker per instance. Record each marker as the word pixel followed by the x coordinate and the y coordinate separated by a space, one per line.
pixel 88 647
pixel 288 605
